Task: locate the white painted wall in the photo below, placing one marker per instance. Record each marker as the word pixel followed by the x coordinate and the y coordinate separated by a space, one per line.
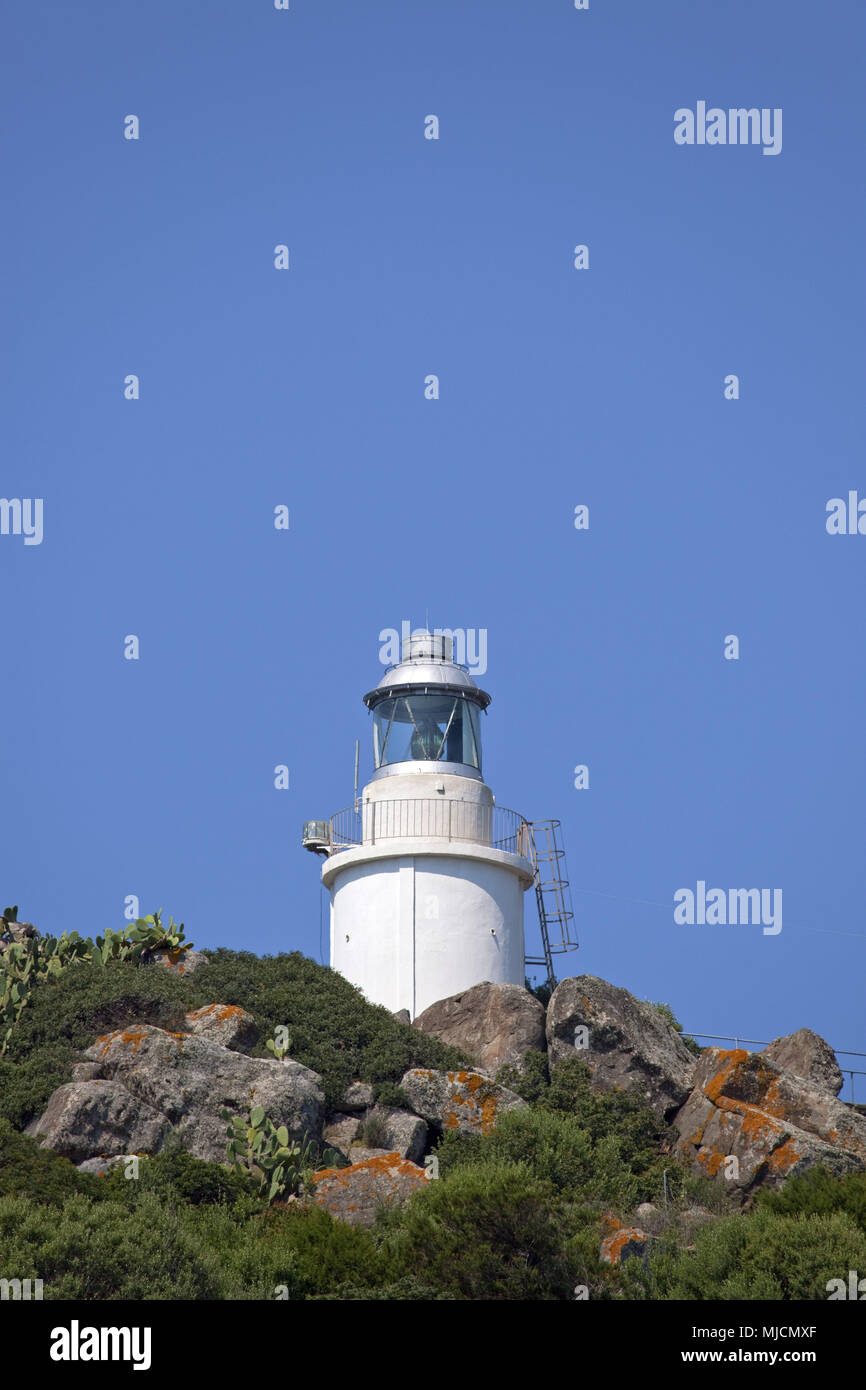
pixel 413 921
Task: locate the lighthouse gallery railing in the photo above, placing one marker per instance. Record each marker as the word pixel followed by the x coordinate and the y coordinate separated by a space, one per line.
pixel 426 818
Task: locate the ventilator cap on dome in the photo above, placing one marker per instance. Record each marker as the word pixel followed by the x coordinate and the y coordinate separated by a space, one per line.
pixel 427 664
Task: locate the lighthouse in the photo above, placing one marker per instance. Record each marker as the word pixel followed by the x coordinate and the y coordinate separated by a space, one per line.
pixel 426 874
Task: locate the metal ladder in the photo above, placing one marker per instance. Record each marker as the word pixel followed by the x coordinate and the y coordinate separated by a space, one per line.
pixel 552 896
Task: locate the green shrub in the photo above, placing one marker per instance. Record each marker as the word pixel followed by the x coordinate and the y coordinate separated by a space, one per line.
pixel 174 1177
pixel 557 1148
pixel 389 1094
pixel 530 1080
pixel 27 1086
pixel 65 1013
pixel 328 1253
pixel 820 1193
pixel 488 1232
pixel 334 1030
pixel 760 1255
pixel 100 1250
pixel 72 1009
pixel 541 992
pixel 26 964
pixel 26 1170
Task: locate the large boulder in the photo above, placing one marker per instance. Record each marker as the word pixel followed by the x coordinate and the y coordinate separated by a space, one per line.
pixel 358 1095
pixel 458 1100
pixel 494 1024
pixel 807 1055
pixel 755 1123
pixel 626 1043
pixel 623 1243
pixel 398 1131
pixel 341 1131
pixel 178 962
pixel 158 1082
pixel 16 933
pixel 226 1024
pixel 87 1118
pixel 101 1167
pixel 355 1194
pixel 392 1131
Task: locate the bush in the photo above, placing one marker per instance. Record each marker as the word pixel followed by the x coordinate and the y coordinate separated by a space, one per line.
pixel 99 1250
pixel 557 1149
pixel 530 1080
pixel 328 1253
pixel 174 1177
pixel 762 1255
pixel 27 1086
pixel 488 1232
pixel 26 1170
pixel 64 1015
pixel 820 1193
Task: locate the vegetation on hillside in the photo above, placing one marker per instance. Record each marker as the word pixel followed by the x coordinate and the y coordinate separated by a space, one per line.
pixel 517 1214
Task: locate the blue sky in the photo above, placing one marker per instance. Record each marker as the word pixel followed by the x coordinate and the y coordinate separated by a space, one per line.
pixel 558 387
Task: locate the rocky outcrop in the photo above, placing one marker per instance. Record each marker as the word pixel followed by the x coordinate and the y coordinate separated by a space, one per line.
pixel 85 1119
pixel 401 1132
pixel 626 1044
pixel 396 1131
pixel 226 1024
pixel 494 1024
pixel 753 1122
pixel 464 1101
pixel 748 1118
pixel 357 1096
pixel 178 962
pixel 100 1167
pixel 623 1243
pixel 808 1056
pixel 152 1083
pixel 355 1194
pixel 14 933
pixel 341 1131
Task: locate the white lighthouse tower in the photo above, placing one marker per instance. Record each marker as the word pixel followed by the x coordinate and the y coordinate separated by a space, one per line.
pixel 426 873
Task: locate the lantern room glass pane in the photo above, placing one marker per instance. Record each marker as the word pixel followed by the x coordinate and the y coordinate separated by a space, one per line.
pixel 427 728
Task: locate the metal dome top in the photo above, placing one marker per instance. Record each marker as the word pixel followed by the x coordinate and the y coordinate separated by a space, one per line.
pixel 427 665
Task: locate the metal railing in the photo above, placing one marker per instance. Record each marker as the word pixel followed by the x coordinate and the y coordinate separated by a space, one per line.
pixel 748 1043
pixel 424 818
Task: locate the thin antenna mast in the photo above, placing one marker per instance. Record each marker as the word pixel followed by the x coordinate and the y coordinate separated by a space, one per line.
pixel 356 775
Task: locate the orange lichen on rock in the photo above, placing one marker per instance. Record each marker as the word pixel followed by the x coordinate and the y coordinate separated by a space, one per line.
pixel 783 1158
pixel 482 1106
pixel 755 1124
pixel 711 1160
pixel 729 1062
pixel 129 1037
pixel 613 1245
pixel 220 1011
pixel 382 1163
pixel 489 1108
